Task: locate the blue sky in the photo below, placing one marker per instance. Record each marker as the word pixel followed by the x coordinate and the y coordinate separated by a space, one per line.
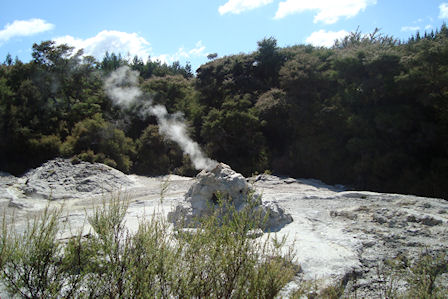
pixel 171 30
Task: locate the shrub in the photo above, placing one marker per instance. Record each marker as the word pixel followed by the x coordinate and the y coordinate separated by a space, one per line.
pixel 35 263
pixel 223 260
pixel 218 259
pixel 45 147
pixel 154 155
pixel 424 276
pixel 96 140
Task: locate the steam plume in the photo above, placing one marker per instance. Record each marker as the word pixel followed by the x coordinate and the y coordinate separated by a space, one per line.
pixel 121 87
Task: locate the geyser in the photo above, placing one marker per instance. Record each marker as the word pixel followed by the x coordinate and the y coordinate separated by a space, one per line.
pixel 233 189
pixel 215 178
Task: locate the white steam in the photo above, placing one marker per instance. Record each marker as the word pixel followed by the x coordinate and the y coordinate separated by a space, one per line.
pixel 121 87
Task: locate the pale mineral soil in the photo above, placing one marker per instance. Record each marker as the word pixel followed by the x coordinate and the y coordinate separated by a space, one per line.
pixel 336 234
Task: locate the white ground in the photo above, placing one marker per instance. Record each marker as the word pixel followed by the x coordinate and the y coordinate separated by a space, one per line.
pixel 335 233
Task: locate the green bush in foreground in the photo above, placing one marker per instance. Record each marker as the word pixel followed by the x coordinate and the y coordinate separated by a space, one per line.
pixel 34 264
pixel 426 276
pixel 218 259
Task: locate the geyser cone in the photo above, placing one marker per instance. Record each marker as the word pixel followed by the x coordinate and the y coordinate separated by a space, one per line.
pixel 221 181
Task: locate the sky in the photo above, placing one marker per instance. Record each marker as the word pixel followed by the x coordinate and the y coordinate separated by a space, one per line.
pixel 182 30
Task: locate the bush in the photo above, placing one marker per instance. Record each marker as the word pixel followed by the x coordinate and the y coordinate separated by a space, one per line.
pixel 35 264
pixel 219 259
pixel 425 276
pixel 45 147
pixel 154 155
pixel 96 140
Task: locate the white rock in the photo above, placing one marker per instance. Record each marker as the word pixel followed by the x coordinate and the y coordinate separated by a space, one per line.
pixel 233 189
pixel 61 179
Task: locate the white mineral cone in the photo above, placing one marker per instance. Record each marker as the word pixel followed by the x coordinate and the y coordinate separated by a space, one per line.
pixel 233 189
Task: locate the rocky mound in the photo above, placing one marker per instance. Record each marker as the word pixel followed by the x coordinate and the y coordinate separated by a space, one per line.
pixel 232 188
pixel 61 179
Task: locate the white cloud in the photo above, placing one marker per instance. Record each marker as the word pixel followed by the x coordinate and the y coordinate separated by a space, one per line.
pixel 183 54
pixel 410 28
pixel 328 11
pixel 24 28
pixel 443 11
pixel 238 6
pixel 127 44
pixel 324 38
pixel 198 50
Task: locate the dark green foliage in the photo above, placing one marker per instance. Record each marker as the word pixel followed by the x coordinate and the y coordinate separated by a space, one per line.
pixel 268 61
pixel 113 61
pixel 233 134
pixel 155 155
pixel 174 92
pixel 96 140
pixel 228 76
pixel 272 110
pixel 41 101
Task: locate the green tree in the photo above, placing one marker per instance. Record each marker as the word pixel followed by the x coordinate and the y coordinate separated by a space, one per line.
pixel 112 61
pixel 227 77
pixel 96 140
pixel 273 112
pixel 233 135
pixel 8 60
pixel 268 61
pixel 155 155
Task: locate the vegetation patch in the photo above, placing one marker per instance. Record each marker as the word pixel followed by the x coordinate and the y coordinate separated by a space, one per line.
pixel 219 259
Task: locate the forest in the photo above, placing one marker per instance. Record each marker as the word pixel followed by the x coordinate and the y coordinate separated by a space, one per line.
pixel 370 113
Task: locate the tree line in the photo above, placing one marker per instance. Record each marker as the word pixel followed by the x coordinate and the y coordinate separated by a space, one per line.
pixel 371 112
